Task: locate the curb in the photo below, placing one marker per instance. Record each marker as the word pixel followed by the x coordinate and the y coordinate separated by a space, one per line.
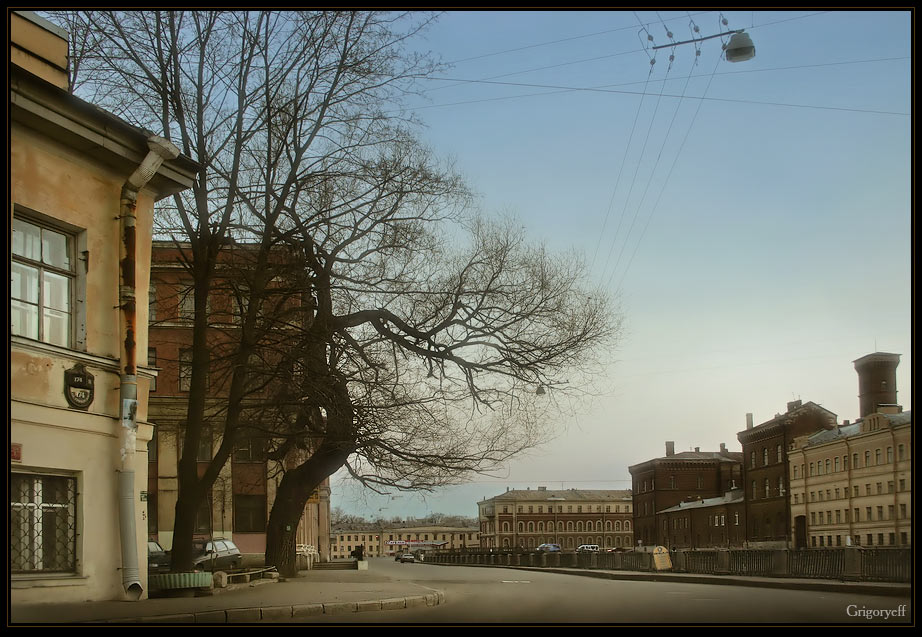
pixel 276 613
pixel 863 588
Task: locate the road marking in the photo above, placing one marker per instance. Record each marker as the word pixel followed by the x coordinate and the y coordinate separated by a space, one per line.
pixel 515 581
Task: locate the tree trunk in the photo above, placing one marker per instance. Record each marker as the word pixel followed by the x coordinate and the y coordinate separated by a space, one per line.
pixel 290 499
pixel 181 554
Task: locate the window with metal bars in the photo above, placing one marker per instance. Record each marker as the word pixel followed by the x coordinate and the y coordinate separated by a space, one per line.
pixel 43 523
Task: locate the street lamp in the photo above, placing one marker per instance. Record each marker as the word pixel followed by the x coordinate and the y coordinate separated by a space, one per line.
pixel 739 49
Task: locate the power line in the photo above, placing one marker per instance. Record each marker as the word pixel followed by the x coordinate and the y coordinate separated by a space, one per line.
pixel 601 89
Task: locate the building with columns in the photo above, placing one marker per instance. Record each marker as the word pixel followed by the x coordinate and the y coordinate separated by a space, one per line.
pixel 528 518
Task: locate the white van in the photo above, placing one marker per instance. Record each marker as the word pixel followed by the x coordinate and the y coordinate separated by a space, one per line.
pixel 588 548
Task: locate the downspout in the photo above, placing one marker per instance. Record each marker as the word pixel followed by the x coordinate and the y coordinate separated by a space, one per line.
pixel 160 149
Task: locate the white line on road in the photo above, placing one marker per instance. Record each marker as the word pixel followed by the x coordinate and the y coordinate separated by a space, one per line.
pixel 515 581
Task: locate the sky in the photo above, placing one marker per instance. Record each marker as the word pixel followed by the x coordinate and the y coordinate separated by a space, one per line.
pixel 752 219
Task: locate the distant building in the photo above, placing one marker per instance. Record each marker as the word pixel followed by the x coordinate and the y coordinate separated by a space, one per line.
pixel 852 484
pixel 527 519
pixel 388 540
pixel 705 523
pixel 676 478
pixel 766 471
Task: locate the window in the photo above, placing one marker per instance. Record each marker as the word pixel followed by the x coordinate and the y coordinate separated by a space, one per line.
pixel 187 303
pixel 867 458
pixel 828 466
pixel 835 464
pixel 42 281
pixel 250 448
pixel 152 362
pixel 901 452
pixel 889 455
pixel 768 488
pixel 185 369
pixel 203 516
pixel 249 513
pixel 811 469
pixel 152 303
pixel 877 456
pixel 752 460
pixel 43 523
pixel 764 456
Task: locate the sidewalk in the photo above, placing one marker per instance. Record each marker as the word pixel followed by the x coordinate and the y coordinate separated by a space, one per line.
pixel 313 593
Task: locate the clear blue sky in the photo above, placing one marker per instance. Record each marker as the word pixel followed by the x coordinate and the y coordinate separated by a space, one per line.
pixel 758 244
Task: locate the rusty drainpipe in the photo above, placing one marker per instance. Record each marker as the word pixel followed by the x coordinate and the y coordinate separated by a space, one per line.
pixel 160 150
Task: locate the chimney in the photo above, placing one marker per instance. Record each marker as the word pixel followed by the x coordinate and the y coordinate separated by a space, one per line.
pixel 697 449
pixel 876 381
pixel 748 421
pixel 794 404
pixel 670 448
pixel 723 447
pixel 542 488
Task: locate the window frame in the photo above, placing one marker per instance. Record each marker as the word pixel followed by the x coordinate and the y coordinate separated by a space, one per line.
pixel 75 244
pixel 35 540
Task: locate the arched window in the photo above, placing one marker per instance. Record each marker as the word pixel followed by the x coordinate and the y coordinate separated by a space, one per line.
pixel 506 527
pixel 521 527
pixel 540 527
pixel 505 542
pixel 589 526
pixel 579 525
pixel 608 525
pixel 617 525
pixel 560 526
pixel 627 525
pixel 531 527
pixel 569 542
pixel 570 525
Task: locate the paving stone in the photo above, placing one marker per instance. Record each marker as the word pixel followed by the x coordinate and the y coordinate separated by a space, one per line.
pixel 306 610
pixel 245 615
pixel 339 608
pixel 276 612
pixel 393 603
pixel 361 607
pixel 211 617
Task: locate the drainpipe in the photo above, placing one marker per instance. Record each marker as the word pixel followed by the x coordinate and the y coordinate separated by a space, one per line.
pixel 160 149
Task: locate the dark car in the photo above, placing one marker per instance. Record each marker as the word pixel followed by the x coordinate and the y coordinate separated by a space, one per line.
pixel 217 555
pixel 158 560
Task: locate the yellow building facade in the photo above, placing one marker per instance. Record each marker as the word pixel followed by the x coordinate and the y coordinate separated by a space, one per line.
pixel 81 223
pixel 853 485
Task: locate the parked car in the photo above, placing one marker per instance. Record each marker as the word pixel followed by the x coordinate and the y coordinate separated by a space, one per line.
pixel 588 548
pixel 407 557
pixel 217 555
pixel 158 560
pixel 549 548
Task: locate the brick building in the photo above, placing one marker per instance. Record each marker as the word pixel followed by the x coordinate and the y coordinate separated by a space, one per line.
pixel 704 523
pixel 766 471
pixel 239 503
pixel 529 518
pixel 689 476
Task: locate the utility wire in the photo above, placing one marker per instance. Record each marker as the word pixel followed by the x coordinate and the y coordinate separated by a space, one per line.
pixel 600 89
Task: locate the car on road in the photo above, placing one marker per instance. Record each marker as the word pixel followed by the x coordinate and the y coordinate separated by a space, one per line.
pixel 217 555
pixel 407 557
pixel 588 548
pixel 549 548
pixel 158 560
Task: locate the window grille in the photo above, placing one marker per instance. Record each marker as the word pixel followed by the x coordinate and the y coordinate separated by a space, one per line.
pixel 43 523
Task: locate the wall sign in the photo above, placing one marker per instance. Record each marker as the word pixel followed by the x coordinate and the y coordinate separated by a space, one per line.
pixel 78 387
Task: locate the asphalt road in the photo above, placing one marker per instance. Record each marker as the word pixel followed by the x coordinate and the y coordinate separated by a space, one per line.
pixel 496 595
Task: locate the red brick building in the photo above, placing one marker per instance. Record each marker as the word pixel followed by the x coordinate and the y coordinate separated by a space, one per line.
pixel 766 475
pixel 239 503
pixel 662 483
pixel 705 523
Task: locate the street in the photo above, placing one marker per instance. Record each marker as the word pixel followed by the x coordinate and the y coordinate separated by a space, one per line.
pixel 498 595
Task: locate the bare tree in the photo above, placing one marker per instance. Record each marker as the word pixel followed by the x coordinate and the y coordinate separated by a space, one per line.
pixel 396 335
